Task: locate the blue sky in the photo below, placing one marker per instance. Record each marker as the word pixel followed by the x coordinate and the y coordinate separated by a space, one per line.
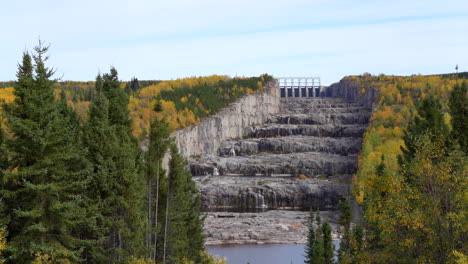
pixel 155 39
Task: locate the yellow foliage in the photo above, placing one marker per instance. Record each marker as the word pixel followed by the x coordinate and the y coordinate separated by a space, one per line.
pixel 135 260
pixel 2 241
pixel 54 257
pixel 6 94
pixel 460 258
pixel 302 176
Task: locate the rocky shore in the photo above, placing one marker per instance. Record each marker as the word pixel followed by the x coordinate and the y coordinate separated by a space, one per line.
pixel 270 227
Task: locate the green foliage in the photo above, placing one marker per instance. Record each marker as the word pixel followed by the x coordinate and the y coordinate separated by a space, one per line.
pixel 328 247
pixel 319 248
pixel 159 141
pixel 47 172
pixel 458 104
pixel 415 209
pixel 311 240
pixel 205 99
pixel 184 238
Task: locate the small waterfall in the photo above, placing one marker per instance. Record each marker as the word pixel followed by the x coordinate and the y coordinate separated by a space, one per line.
pixel 261 201
pixel 215 172
pixel 232 152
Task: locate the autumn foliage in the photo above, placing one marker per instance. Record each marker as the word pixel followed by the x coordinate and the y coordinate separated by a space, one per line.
pixel 184 101
pixel 412 171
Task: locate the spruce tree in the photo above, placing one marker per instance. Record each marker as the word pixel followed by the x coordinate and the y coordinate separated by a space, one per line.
pixel 311 241
pixel 183 228
pixel 3 155
pixel 328 247
pixel 159 141
pixel 458 104
pixel 118 181
pixel 318 246
pixel 102 193
pixel 43 193
pixel 344 251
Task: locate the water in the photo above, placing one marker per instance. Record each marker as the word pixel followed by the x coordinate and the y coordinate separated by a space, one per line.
pixel 262 254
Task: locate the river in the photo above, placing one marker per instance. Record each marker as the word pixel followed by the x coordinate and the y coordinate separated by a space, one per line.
pixel 262 254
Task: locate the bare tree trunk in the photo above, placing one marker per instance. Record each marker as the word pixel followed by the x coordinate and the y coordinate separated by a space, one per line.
pixel 156 210
pixel 120 244
pixel 166 224
pixel 148 230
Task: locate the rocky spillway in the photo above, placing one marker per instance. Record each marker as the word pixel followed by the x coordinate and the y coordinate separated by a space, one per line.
pixel 301 158
pixel 304 156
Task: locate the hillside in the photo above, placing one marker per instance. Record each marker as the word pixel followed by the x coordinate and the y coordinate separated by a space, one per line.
pixel 412 171
pixel 184 101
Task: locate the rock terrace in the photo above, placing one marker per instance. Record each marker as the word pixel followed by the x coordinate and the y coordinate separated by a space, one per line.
pixel 301 159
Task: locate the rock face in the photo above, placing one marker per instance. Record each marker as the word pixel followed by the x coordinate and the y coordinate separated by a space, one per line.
pixel 235 121
pixel 270 153
pixel 249 193
pixel 316 139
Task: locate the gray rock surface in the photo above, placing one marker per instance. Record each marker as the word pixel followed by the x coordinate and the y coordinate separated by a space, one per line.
pixel 244 193
pixel 298 155
pixel 234 121
pixel 271 227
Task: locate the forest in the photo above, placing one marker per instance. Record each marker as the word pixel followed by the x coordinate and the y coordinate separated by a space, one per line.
pixel 184 101
pixel 412 178
pixel 75 186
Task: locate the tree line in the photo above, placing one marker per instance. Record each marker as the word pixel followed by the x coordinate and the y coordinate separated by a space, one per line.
pixel 412 178
pixel 74 192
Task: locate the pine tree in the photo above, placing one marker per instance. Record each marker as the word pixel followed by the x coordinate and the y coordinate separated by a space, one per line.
pixel 458 103
pixel 43 191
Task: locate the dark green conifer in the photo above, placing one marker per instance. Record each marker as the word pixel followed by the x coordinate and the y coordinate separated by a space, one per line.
pixel 183 235
pixel 50 171
pixel 458 103
pixel 311 241
pixel 328 247
pixel 159 141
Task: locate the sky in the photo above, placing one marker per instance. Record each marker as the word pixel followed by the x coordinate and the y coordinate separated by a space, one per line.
pixel 163 40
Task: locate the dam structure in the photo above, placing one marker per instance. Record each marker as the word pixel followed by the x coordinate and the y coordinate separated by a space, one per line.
pixel 259 185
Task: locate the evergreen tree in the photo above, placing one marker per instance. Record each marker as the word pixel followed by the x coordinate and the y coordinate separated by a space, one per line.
pixel 3 155
pixel 344 251
pixel 429 121
pixel 458 103
pixel 117 188
pixel 159 141
pixel 183 229
pixel 103 192
pixel 328 247
pixel 311 241
pixel 43 191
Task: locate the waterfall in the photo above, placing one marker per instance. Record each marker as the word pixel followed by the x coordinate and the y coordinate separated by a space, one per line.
pixel 261 201
pixel 215 172
pixel 232 152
